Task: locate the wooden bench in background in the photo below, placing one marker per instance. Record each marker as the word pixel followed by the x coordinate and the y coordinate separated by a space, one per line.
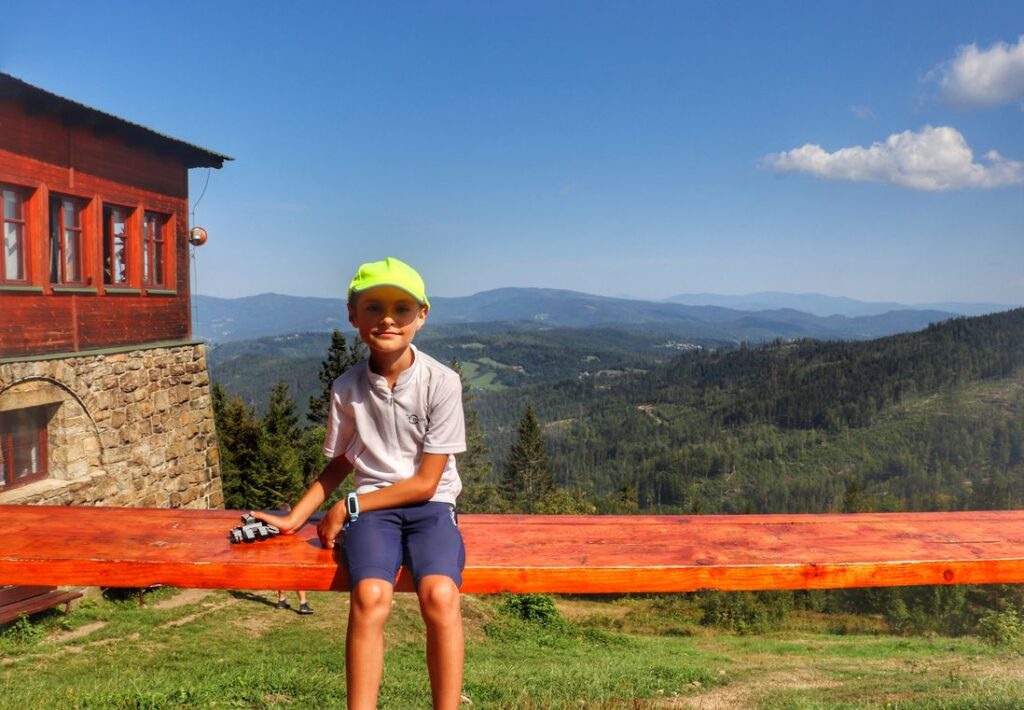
pixel 128 547
pixel 15 601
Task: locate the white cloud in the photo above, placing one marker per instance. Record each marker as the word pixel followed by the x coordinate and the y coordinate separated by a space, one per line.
pixel 983 77
pixel 936 158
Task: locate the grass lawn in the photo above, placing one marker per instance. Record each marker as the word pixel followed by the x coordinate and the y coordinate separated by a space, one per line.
pixel 221 649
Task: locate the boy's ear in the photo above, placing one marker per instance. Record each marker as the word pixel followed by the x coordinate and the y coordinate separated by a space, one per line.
pixel 351 314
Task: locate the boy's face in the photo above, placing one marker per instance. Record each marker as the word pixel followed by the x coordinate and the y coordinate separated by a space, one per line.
pixel 387 318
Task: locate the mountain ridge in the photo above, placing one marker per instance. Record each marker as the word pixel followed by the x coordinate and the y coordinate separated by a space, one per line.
pixel 268 314
pixel 824 305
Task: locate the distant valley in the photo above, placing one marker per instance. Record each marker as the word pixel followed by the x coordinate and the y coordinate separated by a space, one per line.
pixel 494 356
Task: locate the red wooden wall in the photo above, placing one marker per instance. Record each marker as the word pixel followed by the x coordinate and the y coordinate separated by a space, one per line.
pixel 42 155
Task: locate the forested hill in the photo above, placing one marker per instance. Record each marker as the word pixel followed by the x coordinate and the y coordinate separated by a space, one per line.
pixel 797 426
pixel 811 384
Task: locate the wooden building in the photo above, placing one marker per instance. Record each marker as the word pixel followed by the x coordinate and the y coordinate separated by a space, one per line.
pixel 95 226
pixel 104 396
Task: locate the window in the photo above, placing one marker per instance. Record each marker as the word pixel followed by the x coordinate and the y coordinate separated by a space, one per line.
pixel 23 456
pixel 66 253
pixel 115 245
pixel 153 250
pixel 12 265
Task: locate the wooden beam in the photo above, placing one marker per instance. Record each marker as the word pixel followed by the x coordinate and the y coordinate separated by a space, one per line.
pixel 129 547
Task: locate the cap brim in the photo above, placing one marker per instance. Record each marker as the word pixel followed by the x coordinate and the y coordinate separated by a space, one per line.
pixel 423 301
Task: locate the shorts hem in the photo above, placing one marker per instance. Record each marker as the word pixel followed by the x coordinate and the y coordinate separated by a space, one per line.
pixel 417 578
pixel 357 576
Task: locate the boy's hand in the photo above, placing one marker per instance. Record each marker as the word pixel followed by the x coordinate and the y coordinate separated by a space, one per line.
pixel 331 524
pixel 285 524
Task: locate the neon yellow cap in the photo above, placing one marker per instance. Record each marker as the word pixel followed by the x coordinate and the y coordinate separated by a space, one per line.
pixel 390 272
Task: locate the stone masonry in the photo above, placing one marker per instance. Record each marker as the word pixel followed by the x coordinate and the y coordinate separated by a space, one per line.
pixel 131 428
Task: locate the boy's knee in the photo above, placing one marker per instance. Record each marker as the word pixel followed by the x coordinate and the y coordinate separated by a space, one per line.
pixel 439 598
pixel 371 598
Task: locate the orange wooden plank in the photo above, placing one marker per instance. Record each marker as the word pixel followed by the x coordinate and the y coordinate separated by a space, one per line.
pixel 572 554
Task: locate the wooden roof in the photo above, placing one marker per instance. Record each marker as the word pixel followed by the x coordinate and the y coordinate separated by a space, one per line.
pixel 517 553
pixel 73 113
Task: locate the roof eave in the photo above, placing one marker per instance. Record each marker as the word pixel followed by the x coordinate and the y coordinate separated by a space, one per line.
pixel 73 113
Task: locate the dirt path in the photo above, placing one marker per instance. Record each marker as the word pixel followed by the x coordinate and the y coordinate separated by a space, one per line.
pixel 768 673
pixel 77 633
pixel 744 693
pixel 186 596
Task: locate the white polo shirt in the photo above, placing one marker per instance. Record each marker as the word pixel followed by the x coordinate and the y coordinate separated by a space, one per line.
pixel 384 432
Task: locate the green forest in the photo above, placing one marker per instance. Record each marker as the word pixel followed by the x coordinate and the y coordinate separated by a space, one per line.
pixel 931 420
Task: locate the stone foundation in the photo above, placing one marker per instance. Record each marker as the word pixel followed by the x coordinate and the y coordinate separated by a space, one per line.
pixel 132 428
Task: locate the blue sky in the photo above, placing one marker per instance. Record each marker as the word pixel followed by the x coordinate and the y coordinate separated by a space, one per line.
pixel 641 149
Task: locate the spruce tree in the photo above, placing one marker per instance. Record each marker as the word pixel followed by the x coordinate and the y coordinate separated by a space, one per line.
pixel 284 476
pixel 527 477
pixel 311 456
pixel 242 449
pixel 281 422
pixel 228 470
pixel 479 494
pixel 340 357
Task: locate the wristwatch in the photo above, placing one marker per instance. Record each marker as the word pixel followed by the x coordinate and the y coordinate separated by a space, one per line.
pixel 352 505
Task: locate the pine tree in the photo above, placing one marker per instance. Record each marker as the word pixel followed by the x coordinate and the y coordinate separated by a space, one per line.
pixel 340 357
pixel 284 476
pixel 527 477
pixel 311 456
pixel 242 449
pixel 479 494
pixel 225 455
pixel 281 422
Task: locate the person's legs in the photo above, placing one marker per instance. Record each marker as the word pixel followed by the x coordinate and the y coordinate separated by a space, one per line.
pixel 440 607
pixel 369 606
pixel 372 548
pixel 304 607
pixel 436 554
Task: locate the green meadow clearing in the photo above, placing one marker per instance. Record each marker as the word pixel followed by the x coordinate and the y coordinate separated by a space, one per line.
pixel 218 649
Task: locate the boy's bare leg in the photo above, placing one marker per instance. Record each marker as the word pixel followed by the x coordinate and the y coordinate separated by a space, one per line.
pixel 440 606
pixel 370 604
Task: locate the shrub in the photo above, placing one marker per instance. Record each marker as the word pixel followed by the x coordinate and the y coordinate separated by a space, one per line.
pixel 1003 629
pixel 535 608
pixel 927 610
pixel 22 632
pixel 744 612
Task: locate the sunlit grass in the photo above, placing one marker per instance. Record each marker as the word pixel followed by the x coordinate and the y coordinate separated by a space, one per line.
pixel 234 650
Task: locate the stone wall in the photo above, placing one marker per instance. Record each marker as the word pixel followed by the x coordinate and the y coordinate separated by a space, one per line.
pixel 132 428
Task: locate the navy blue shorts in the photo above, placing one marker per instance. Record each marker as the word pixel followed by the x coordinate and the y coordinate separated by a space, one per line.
pixel 424 537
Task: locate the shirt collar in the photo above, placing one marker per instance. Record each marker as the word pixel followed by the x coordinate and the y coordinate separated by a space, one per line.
pixel 380 383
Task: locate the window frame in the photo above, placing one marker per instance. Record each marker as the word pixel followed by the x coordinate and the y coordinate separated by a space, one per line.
pixel 61 253
pixel 42 420
pixel 23 231
pixel 154 249
pixel 109 242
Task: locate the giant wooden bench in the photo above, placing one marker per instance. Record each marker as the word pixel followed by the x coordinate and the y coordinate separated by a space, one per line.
pixel 127 547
